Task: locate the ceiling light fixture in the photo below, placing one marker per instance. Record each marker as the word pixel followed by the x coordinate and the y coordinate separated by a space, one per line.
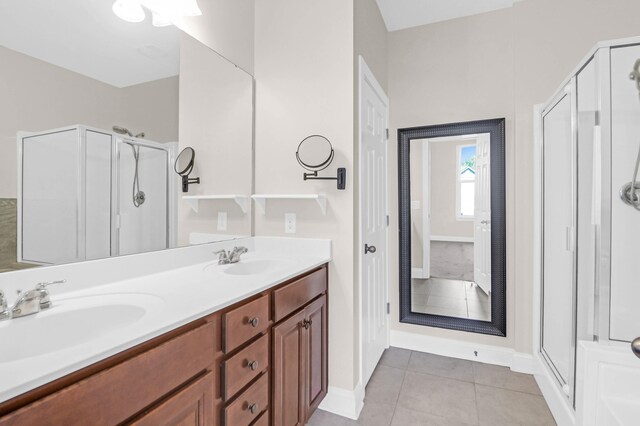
pixel 129 10
pixel 164 12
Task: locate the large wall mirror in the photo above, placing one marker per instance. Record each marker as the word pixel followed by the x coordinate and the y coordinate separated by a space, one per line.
pixel 93 112
pixel 452 226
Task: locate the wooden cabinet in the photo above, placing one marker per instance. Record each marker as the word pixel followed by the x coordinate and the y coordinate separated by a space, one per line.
pixel 261 361
pixel 300 361
pixel 191 406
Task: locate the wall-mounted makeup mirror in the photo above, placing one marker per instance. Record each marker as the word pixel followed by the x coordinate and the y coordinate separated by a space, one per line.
pixel 315 153
pixel 81 84
pixel 183 167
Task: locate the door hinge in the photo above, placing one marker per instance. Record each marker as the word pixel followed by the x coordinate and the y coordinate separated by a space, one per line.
pixel 387 220
pixel 388 308
pixel 387 133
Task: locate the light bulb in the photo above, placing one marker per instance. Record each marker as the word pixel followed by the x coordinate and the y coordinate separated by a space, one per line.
pixel 129 10
pixel 160 21
pixel 190 8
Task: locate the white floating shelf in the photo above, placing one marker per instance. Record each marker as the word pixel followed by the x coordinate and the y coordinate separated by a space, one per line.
pixel 261 199
pixel 194 200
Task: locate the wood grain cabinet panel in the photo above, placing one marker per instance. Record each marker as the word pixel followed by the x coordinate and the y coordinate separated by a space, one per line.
pixel 317 354
pixel 239 370
pixel 249 405
pixel 288 372
pixel 244 322
pixel 115 394
pixel 293 296
pixel 191 406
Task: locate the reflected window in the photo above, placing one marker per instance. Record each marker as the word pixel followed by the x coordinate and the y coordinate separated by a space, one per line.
pixel 466 179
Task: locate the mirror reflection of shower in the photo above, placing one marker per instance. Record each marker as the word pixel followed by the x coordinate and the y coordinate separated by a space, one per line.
pixel 138 196
pixel 124 131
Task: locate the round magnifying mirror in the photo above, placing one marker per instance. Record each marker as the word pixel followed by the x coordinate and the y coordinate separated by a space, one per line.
pixel 315 153
pixel 184 162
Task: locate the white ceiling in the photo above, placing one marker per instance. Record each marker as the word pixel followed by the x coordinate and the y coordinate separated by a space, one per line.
pixel 85 36
pixel 401 14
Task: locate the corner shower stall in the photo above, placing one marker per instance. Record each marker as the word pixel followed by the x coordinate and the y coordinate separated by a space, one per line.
pixel 86 193
pixel 589 153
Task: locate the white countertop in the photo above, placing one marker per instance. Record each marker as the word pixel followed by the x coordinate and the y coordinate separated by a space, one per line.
pixel 91 323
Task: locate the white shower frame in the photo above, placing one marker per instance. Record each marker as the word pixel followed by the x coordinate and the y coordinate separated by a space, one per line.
pixel 171 149
pixel 565 413
pixel 172 186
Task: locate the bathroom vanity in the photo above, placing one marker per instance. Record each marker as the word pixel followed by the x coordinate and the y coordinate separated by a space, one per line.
pixel 259 360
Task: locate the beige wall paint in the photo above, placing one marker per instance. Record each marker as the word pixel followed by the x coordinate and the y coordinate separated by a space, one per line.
pixel 304 85
pixel 498 64
pixel 444 167
pixel 216 117
pixel 39 96
pixel 226 26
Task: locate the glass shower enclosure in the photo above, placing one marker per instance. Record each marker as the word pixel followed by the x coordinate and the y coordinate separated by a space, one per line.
pixel 77 195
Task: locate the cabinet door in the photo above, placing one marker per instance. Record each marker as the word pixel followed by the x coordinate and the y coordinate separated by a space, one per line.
pixel 192 406
pixel 289 372
pixel 316 351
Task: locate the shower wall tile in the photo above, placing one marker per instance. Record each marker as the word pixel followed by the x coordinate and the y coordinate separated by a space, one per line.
pixel 8 225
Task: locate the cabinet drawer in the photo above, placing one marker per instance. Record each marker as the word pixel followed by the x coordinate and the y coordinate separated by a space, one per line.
pixel 192 405
pixel 115 394
pixel 249 404
pixel 244 322
pixel 245 366
pixel 297 294
pixel 263 420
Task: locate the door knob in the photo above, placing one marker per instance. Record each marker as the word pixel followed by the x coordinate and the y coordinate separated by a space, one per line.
pixel 369 249
pixel 635 347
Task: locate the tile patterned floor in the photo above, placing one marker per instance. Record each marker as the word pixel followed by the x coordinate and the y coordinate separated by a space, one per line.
pixel 412 388
pixel 454 298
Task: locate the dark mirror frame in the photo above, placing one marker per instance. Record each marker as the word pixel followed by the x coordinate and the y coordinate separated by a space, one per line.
pixel 498 324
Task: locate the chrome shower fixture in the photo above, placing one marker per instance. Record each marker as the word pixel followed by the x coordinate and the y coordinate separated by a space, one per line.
pixel 124 131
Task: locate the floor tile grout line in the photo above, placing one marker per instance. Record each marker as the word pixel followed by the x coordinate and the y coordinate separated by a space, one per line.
pixel 507 389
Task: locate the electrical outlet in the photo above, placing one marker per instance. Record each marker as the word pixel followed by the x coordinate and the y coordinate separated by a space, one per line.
pixel 290 223
pixel 222 221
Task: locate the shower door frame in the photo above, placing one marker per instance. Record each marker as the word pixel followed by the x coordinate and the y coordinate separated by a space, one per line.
pixel 171 149
pixel 568 89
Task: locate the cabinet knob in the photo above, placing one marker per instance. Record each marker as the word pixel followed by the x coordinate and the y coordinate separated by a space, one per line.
pixel 306 323
pixel 253 365
pixel 253 408
pixel 254 321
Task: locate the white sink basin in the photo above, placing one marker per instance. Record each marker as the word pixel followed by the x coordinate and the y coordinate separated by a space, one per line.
pixel 71 322
pixel 251 267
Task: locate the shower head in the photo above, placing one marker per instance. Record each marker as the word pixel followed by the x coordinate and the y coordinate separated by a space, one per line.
pixel 124 131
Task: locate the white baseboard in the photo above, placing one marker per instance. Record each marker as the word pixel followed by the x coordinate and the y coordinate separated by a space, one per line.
pixel 344 402
pixel 562 414
pixel 520 362
pixel 451 239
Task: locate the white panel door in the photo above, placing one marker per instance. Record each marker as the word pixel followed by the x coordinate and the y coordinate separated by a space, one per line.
pixel 482 215
pixel 625 220
pixel 373 219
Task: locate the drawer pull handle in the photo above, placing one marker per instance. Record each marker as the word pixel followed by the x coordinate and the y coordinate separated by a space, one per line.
pixel 254 322
pixel 253 408
pixel 253 365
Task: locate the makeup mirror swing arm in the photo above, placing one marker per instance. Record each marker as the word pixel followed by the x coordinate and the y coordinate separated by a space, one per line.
pixel 341 177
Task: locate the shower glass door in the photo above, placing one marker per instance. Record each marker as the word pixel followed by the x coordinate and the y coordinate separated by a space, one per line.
pixel 558 274
pixel 142 219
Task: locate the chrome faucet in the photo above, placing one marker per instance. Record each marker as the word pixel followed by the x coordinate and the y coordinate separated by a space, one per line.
pixel 31 302
pixel 231 256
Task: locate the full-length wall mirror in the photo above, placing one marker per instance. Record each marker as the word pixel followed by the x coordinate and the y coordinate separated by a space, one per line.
pixel 452 226
pixel 93 112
